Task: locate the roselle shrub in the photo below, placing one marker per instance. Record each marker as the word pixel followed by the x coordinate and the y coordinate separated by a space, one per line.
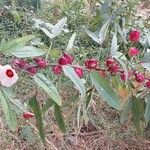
pixel 127 61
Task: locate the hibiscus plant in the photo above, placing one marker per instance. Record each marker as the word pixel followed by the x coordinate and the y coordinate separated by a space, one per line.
pixel 127 63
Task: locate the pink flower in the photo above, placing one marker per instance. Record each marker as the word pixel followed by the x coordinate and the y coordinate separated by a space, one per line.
pixel 79 72
pixel 41 62
pixel 134 36
pixel 8 76
pixel 133 51
pixel 28 115
pixel 140 77
pixel 91 63
pixel 57 70
pixel 147 84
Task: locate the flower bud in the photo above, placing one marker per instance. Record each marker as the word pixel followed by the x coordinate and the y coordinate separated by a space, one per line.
pixel 18 63
pixel 28 115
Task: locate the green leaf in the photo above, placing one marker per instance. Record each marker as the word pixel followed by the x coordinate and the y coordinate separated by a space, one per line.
pixel 48 104
pixel 69 72
pixel 71 42
pixel 16 43
pixel 104 89
pixel 10 116
pixel 114 46
pixel 136 111
pixel 59 118
pixel 103 31
pixel 93 36
pixel 121 33
pixel 127 109
pixel 27 134
pixel 48 87
pixel 89 97
pixel 146 61
pixel 147 110
pixel 33 103
pixel 25 51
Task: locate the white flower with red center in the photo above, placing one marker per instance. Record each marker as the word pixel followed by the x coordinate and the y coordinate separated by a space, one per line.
pixel 8 76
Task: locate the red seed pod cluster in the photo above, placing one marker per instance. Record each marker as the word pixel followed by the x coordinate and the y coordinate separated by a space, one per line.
pixel 20 64
pixel 66 59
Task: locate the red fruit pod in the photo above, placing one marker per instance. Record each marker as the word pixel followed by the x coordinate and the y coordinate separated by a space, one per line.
pixel 114 68
pixel 32 70
pixel 147 84
pixel 41 62
pixel 79 72
pixel 134 36
pixel 69 58
pixel 109 62
pixel 63 61
pixel 57 69
pixel 28 115
pixel 139 77
pixel 133 52
pixel 19 63
pixel 91 63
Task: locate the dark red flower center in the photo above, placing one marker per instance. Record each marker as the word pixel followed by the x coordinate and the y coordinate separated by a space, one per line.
pixel 9 73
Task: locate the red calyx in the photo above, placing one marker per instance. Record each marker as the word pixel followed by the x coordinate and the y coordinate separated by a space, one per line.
pixel 79 72
pixel 91 63
pixel 28 115
pixel 57 69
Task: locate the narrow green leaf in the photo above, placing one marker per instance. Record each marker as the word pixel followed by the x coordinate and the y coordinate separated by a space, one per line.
pixel 114 46
pixel 36 109
pixel 48 87
pixel 146 61
pixel 25 51
pixel 27 134
pixel 103 31
pixel 12 45
pixel 104 89
pixel 69 72
pixel 71 42
pixel 10 116
pixel 49 103
pixel 136 111
pixel 127 109
pixel 147 110
pixel 59 118
pixel 89 97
